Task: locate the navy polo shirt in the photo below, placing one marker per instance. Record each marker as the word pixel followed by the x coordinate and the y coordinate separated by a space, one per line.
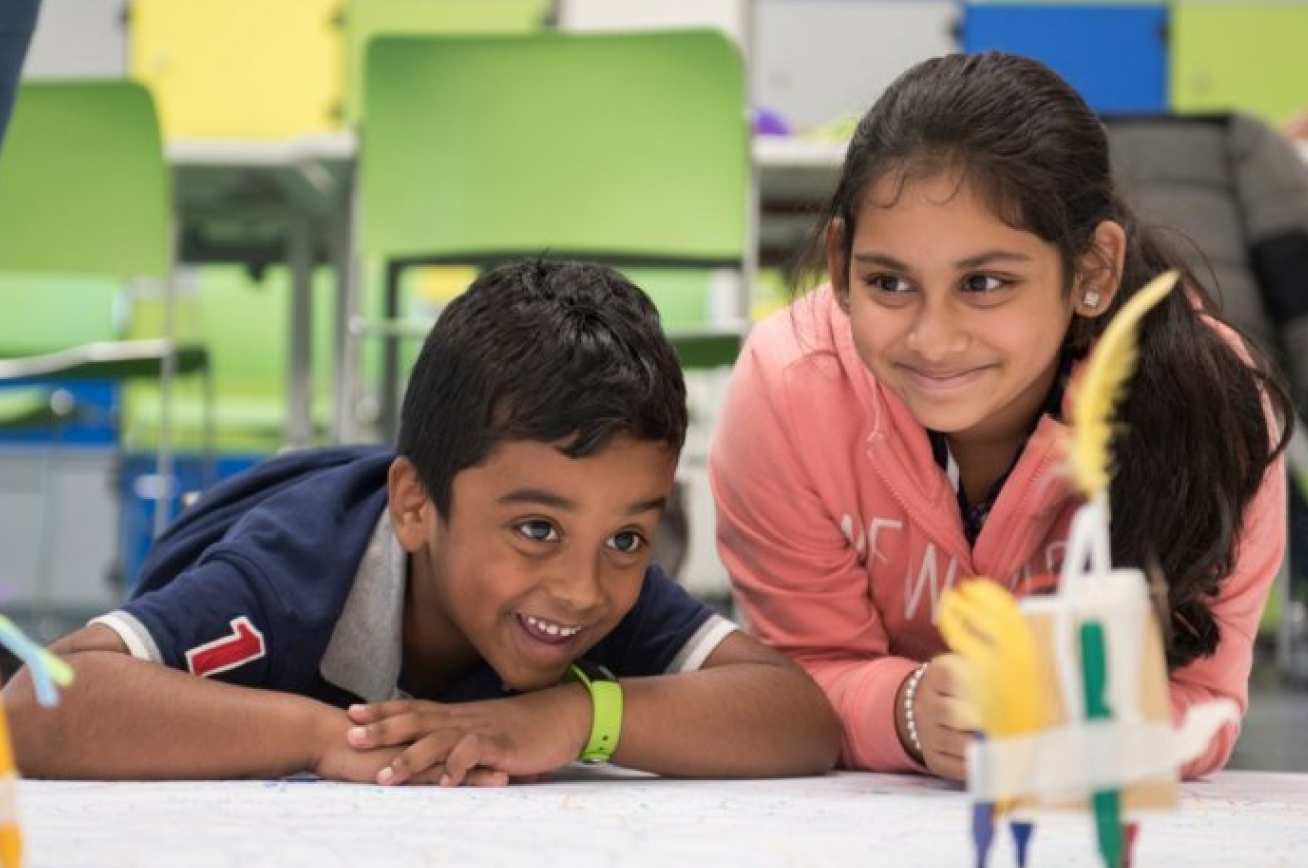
pixel 289 577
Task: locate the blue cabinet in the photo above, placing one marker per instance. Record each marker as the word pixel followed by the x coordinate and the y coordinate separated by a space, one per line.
pixel 1115 54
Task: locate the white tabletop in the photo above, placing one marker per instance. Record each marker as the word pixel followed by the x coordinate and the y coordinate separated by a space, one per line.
pixel 272 154
pixel 608 818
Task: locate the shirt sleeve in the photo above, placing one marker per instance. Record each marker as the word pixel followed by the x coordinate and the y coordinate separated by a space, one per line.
pixel 1237 611
pixel 797 578
pixel 212 620
pixel 667 631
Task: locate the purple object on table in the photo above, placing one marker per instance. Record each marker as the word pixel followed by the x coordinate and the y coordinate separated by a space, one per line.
pixel 769 123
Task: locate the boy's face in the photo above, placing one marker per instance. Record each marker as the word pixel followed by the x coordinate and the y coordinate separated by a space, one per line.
pixel 541 554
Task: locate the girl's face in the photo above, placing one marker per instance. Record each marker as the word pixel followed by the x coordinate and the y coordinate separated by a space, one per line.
pixel 958 313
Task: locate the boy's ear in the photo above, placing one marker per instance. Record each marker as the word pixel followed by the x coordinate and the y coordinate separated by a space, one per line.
pixel 1099 272
pixel 837 267
pixel 413 514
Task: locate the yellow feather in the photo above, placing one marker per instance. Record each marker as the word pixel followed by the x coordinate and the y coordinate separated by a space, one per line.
pixel 1111 364
pixel 981 622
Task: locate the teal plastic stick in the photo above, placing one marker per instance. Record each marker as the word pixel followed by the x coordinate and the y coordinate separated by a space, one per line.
pixel 1107 803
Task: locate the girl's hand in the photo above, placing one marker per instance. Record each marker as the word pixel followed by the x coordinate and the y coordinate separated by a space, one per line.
pixel 475 742
pixel 946 719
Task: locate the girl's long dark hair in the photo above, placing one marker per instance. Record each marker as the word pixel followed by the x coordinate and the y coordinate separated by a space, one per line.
pixel 1194 439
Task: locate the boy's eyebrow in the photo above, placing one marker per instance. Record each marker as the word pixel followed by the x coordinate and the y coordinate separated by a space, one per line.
pixel 654 503
pixel 544 497
pixel 540 496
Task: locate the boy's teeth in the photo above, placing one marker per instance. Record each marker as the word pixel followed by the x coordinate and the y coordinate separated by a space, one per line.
pixel 550 627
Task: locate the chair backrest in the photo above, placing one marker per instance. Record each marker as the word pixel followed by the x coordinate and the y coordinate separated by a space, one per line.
pixel 240 69
pixel 368 19
pixel 1238 194
pixel 83 184
pixel 1240 55
pixel 627 147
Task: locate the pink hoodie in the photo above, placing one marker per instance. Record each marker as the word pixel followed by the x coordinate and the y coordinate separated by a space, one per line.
pixel 840 531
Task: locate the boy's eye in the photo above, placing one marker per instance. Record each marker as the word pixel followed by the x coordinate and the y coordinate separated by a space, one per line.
pixel 537 531
pixel 982 283
pixel 628 542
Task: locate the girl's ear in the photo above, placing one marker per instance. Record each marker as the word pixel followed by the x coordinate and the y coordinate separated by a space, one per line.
pixel 837 267
pixel 412 511
pixel 1099 272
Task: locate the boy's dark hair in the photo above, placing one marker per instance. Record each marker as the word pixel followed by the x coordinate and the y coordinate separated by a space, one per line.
pixel 557 352
pixel 1194 440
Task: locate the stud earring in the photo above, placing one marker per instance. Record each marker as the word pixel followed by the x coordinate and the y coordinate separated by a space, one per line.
pixel 1091 299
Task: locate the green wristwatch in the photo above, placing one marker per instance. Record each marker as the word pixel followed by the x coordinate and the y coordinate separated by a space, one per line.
pixel 606 708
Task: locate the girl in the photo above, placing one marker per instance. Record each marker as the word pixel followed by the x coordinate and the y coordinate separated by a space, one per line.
pixel 899 429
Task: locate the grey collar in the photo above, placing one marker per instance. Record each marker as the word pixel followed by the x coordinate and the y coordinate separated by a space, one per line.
pixel 365 651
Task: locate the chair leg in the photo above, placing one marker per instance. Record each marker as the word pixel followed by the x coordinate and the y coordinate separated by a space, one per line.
pixel 65 409
pixel 348 281
pixel 168 374
pixel 209 475
pixel 390 401
pixel 46 531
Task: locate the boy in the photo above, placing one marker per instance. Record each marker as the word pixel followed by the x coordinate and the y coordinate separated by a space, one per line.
pixel 509 537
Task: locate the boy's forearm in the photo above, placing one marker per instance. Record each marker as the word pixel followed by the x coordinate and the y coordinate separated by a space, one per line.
pixel 741 720
pixel 125 718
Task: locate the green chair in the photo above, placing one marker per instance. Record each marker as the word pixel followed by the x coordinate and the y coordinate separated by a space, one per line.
pixel 84 192
pixel 243 323
pixel 631 149
pixel 368 19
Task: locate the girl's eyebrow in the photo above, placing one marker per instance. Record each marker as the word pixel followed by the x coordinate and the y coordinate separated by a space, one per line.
pixel 882 260
pixel 991 256
pixel 986 258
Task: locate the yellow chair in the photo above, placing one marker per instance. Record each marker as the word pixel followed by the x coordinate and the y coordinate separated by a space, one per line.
pixel 239 69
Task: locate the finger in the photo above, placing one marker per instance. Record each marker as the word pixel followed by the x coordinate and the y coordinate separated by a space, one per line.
pixel 462 758
pixel 361 713
pixel 942 739
pixel 391 731
pixel 950 677
pixel 481 777
pixel 472 750
pixel 418 757
pixel 428 777
pixel 961 715
pixel 476 777
pixel 947 766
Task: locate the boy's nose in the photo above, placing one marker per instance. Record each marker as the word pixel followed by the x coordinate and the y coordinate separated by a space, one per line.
pixel 576 585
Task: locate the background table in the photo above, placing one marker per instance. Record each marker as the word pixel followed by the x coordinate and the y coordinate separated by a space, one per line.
pixel 608 817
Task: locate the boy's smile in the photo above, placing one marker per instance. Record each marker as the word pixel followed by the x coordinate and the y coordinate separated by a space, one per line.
pixel 541 556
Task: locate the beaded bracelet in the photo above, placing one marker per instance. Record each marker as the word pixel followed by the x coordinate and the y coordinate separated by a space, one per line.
pixel 910 722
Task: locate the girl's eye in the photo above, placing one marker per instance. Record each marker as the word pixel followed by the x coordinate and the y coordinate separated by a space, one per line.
pixel 888 283
pixel 537 531
pixel 628 542
pixel 982 283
